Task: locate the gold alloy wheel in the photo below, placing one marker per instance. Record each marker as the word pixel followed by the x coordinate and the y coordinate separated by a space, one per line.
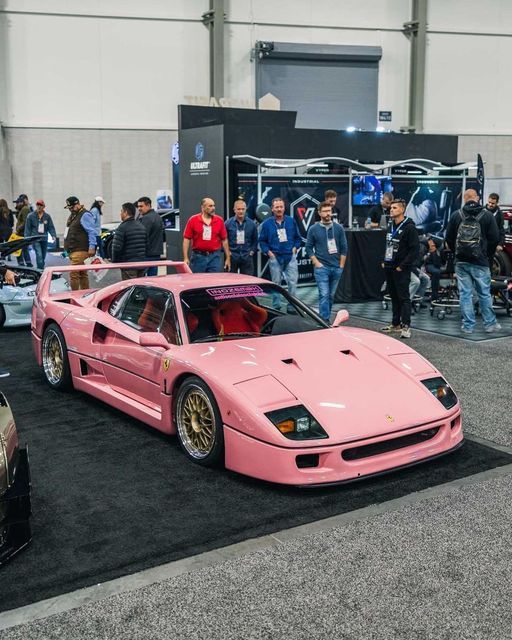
pixel 196 422
pixel 53 357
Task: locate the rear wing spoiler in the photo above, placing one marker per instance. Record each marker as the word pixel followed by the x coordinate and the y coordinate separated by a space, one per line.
pixel 43 286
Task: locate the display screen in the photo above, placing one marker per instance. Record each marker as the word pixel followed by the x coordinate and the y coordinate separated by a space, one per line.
pixel 431 201
pixel 367 190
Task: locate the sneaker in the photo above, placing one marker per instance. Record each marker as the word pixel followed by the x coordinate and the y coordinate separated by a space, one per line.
pixel 464 330
pixel 4 373
pixel 392 328
pixel 492 328
pixel 406 332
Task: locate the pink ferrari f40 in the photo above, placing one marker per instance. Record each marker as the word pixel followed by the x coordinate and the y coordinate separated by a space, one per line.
pixel 246 375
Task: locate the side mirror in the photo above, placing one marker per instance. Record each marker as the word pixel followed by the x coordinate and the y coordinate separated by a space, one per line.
pixel 153 339
pixel 341 317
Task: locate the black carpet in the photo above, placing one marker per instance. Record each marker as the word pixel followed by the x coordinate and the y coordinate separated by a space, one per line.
pixel 112 497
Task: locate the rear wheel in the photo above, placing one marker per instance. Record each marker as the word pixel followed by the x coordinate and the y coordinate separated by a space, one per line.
pixel 55 358
pixel 502 264
pixel 199 424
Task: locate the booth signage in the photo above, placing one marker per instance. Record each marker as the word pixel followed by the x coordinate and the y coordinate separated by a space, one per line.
pixel 200 166
pixel 385 116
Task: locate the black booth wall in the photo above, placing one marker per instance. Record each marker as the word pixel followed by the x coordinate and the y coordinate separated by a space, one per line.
pixel 213 134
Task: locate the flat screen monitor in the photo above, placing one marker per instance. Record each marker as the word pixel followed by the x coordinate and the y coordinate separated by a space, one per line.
pixel 367 190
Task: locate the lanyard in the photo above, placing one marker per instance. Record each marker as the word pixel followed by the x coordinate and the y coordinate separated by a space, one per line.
pixel 393 233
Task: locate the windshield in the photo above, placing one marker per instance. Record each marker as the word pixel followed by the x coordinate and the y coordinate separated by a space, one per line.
pixel 245 311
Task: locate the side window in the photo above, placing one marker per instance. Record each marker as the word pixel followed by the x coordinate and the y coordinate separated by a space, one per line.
pixel 117 303
pixel 144 309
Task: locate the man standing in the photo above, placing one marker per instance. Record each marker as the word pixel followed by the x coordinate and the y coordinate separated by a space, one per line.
pixel 155 231
pixel 23 209
pixel 279 241
pixel 381 209
pixel 470 234
pixel 492 206
pixel 130 242
pixel 205 232
pixel 326 246
pixel 242 240
pixel 40 223
pixel 79 240
pixel 402 251
pixel 330 196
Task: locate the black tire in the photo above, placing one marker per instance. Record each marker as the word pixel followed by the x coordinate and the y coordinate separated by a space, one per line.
pixel 54 355
pixel 107 247
pixel 199 423
pixel 502 264
pixel 2 315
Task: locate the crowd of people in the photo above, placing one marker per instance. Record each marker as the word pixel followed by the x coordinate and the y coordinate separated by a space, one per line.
pixel 211 245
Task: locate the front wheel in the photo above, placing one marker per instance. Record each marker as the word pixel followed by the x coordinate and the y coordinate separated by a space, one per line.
pixel 199 424
pixel 55 358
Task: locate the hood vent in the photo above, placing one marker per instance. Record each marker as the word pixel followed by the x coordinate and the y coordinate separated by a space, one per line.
pixel 291 361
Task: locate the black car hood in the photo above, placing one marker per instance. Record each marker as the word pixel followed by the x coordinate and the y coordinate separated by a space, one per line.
pixel 6 248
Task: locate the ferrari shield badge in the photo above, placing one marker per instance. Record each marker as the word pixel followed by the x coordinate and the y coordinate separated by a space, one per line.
pixel 388 417
pixel 166 363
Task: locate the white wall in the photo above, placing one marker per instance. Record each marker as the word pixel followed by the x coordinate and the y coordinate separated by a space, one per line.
pixel 72 72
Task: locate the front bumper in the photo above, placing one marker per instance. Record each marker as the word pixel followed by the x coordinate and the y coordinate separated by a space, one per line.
pixel 15 531
pixel 261 460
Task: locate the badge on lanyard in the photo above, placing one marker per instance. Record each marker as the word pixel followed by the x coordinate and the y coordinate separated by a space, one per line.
pixel 40 227
pixel 331 245
pixel 281 234
pixel 388 256
pixel 207 231
pixel 240 236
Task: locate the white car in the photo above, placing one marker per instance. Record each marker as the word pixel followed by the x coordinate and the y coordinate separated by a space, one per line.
pixel 16 302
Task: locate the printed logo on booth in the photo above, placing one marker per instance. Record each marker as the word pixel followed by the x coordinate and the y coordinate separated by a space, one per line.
pixel 303 211
pixel 199 151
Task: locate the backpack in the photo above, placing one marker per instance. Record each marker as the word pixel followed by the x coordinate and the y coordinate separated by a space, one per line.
pixel 468 245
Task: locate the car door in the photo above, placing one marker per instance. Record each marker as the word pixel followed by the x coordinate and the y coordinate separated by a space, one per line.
pixel 130 369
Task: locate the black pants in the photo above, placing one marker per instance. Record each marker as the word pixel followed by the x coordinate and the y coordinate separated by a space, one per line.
pixel 245 265
pixel 398 289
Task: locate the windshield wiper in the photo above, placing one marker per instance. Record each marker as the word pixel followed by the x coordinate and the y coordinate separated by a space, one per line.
pixel 227 336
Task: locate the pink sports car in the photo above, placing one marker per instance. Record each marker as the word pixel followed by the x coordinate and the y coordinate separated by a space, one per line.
pixel 247 376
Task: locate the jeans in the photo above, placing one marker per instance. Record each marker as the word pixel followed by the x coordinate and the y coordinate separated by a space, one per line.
pixel 327 279
pixel 469 276
pixel 435 277
pixel 25 258
pixel 418 284
pixel 290 270
pixel 40 249
pixel 152 271
pixel 398 289
pixel 210 263
pixel 242 264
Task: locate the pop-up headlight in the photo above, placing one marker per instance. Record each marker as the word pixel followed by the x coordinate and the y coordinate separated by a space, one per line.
pixel 439 388
pixel 296 423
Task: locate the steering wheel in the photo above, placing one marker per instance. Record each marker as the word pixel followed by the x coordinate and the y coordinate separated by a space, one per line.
pixel 269 325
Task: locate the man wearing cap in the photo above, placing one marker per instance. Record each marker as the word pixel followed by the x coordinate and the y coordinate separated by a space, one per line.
pixel 96 212
pixel 39 223
pixel 79 240
pixel 23 209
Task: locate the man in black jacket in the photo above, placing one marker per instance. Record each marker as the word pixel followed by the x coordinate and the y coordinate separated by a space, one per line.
pixel 130 242
pixel 155 230
pixel 492 206
pixel 402 251
pixel 472 263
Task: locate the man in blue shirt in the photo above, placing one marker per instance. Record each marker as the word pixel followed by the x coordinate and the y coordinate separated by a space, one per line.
pixel 242 239
pixel 279 241
pixel 326 246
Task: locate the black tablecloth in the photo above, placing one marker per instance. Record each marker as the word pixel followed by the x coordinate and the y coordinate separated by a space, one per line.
pixel 363 275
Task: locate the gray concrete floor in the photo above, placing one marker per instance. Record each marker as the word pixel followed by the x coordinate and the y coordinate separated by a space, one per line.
pixel 431 565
